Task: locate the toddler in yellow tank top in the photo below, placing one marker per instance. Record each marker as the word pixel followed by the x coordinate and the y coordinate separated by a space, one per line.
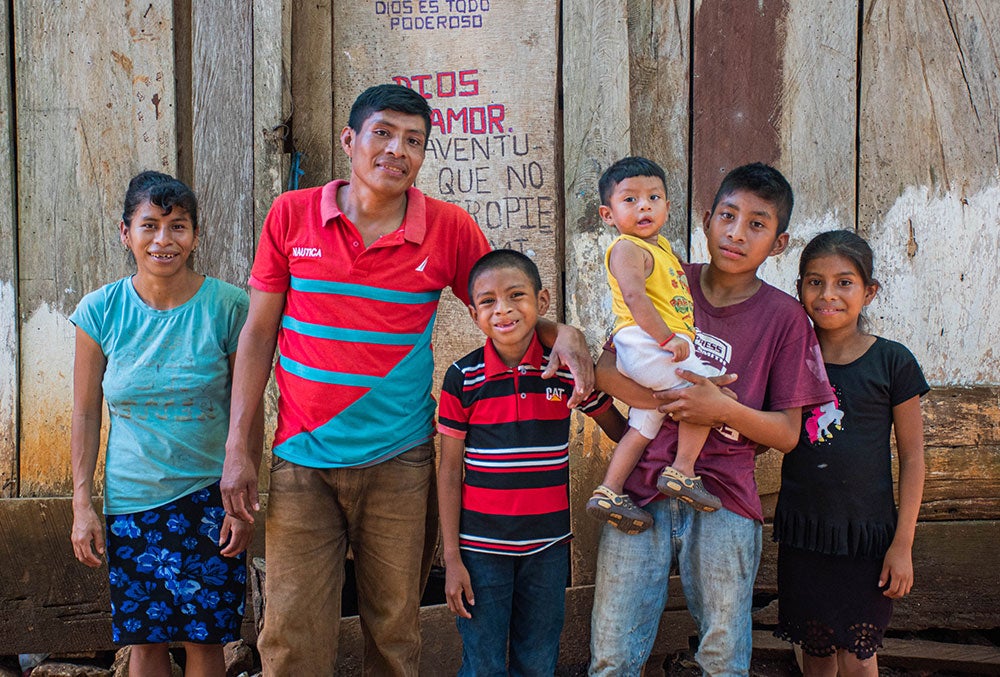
pixel 653 338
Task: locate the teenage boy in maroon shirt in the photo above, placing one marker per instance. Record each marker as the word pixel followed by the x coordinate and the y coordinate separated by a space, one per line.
pixel 761 335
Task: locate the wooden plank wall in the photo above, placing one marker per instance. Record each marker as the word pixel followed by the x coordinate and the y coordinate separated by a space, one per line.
pixel 8 272
pixel 492 150
pixel 94 104
pixel 930 164
pixel 885 121
pixel 911 163
pixel 223 139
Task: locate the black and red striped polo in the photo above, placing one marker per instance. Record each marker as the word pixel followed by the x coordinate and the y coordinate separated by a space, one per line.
pixel 515 493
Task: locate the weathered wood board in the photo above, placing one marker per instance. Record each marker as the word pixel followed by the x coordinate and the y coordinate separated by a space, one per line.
pixel 97 106
pixel 313 131
pixel 956 576
pixel 52 603
pixel 914 656
pixel 595 134
pixel 930 151
pixel 776 82
pixel 659 97
pixel 223 138
pixel 271 104
pixel 961 454
pixel 596 118
pixel 491 148
pixel 8 268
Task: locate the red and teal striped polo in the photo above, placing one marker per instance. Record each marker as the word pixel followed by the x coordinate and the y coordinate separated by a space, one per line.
pixel 355 368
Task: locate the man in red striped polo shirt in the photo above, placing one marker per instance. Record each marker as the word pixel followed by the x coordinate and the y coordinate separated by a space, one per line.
pixel 345 283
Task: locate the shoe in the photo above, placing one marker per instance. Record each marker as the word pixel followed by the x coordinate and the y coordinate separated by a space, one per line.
pixel 688 489
pixel 619 511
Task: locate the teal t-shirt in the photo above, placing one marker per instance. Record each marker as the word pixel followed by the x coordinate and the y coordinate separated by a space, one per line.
pixel 167 385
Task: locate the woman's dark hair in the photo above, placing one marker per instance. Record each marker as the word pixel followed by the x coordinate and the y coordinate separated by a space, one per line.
pixel 162 190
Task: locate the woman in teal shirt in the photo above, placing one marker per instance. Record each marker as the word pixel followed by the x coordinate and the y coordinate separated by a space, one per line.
pixel 159 346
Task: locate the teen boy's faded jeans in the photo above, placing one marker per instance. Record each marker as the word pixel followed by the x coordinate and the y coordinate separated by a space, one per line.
pixel 312 516
pixel 717 554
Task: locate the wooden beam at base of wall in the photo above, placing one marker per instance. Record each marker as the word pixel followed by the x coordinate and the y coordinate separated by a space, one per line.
pixel 53 603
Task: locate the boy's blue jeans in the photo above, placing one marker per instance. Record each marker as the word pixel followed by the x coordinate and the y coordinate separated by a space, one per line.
pixel 717 554
pixel 520 602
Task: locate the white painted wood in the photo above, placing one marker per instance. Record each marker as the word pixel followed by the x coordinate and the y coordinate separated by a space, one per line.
pixel 94 106
pixel 223 98
pixel 930 181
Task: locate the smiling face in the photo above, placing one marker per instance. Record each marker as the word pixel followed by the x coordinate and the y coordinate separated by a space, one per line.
pixel 742 232
pixel 506 307
pixel 160 242
pixel 834 293
pixel 638 206
pixel 387 152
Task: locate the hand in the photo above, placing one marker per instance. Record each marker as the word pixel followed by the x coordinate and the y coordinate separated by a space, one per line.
pixel 570 349
pixel 703 403
pixel 457 582
pixel 239 485
pixel 897 571
pixel 234 536
pixel 87 536
pixel 679 347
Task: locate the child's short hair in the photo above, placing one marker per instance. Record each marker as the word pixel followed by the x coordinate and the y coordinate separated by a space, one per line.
pixel 505 258
pixel 388 97
pixel 626 168
pixel 162 190
pixel 765 182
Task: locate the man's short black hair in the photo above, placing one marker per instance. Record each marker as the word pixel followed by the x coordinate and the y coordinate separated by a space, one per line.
pixel 765 182
pixel 505 258
pixel 388 97
pixel 626 168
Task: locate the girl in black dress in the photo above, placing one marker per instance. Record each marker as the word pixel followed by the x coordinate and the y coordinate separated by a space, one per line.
pixel 845 550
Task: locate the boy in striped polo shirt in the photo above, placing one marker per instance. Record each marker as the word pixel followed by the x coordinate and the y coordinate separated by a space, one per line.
pixel 505 527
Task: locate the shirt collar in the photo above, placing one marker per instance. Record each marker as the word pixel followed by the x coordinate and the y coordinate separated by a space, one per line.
pixel 495 366
pixel 414 222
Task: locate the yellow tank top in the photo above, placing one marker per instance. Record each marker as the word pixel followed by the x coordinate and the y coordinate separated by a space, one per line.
pixel 666 287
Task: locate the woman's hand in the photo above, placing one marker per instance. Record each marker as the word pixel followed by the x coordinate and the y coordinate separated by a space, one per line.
pixel 87 536
pixel 235 536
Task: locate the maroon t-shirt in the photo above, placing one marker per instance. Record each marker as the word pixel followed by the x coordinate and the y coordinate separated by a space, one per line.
pixel 767 340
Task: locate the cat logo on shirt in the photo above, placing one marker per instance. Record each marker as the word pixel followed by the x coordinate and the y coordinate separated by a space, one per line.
pixel 555 394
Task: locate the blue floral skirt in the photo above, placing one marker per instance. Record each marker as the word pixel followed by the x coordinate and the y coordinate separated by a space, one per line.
pixel 168 581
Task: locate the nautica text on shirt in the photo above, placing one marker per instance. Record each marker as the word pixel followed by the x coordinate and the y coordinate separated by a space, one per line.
pixel 309 252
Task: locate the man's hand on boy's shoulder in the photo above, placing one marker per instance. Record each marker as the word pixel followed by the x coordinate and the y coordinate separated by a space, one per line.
pixel 703 403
